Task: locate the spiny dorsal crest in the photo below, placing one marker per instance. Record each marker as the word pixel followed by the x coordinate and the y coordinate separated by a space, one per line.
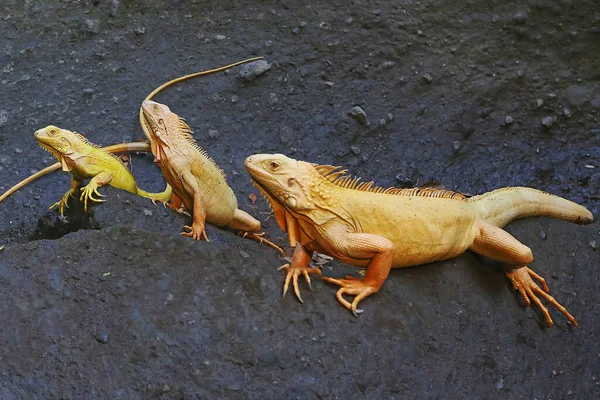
pixel 338 178
pixel 186 134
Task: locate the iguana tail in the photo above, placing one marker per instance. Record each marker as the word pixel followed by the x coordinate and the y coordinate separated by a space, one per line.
pixel 501 206
pixel 183 78
pixel 163 196
pixel 116 148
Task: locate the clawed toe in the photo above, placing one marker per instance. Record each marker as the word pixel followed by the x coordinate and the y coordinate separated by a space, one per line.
pixel 352 286
pixel 292 274
pixel 528 289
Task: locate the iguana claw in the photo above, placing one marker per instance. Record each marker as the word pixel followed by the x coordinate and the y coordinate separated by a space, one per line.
pixel 521 280
pixel 195 232
pixel 292 273
pixel 88 192
pixel 353 286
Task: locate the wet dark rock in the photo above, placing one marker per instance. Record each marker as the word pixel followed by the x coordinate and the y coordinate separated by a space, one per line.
pixel 252 70
pixel 404 181
pixel 578 95
pixel 359 114
pixel 355 150
pixel 520 17
pixel 427 78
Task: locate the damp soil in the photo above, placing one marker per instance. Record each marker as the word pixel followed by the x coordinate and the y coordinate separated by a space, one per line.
pixel 470 95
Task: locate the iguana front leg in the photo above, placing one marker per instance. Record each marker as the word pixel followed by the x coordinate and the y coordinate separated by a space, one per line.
pixel 62 203
pixel 91 189
pixel 362 246
pixel 300 266
pixel 198 228
pixel 176 204
pixel 498 244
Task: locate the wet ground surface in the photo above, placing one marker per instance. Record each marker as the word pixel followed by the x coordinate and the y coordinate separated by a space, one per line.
pixel 472 95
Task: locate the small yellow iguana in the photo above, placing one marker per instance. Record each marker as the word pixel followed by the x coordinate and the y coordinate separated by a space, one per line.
pixel 323 210
pixel 122 147
pixel 84 160
pixel 198 183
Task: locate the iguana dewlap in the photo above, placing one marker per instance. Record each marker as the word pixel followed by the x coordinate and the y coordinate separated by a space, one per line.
pixel 199 185
pixel 85 160
pixel 361 224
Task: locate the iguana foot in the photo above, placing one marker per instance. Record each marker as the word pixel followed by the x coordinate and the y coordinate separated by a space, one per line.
pixel 259 238
pixel 292 274
pixel 352 286
pixel 62 203
pixel 521 280
pixel 88 192
pixel 196 232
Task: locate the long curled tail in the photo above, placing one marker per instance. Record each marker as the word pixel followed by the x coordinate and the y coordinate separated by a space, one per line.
pixel 501 206
pixel 183 78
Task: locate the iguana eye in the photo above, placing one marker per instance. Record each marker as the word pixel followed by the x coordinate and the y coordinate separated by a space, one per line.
pixel 52 131
pixel 274 165
pixel 155 108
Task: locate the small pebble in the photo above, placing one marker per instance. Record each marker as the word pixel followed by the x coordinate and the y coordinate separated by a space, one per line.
pixel 508 120
pixel 404 180
pixel 355 150
pixel 213 133
pixel 539 102
pixel 220 37
pixel 140 30
pixel 101 337
pixel 543 235
pixel 382 122
pixel 349 20
pixel 243 254
pixel 456 145
pixel 547 122
pixel 359 114
pixel 388 64
pixel 390 117
pixel 567 112
pixel 520 17
pixel 251 71
pixel 500 384
pixel 234 98
pixel 147 212
pixel 427 78
pixel 593 244
pixel 18 150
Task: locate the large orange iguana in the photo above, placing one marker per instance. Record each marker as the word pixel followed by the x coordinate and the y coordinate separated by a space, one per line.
pixel 197 181
pixel 361 224
pixel 86 160
pixel 138 146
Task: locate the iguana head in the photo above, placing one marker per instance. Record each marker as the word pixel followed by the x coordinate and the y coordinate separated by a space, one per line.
pixel 62 142
pixel 287 181
pixel 165 127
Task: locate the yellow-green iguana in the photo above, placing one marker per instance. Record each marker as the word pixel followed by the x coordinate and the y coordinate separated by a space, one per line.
pixel 198 183
pixel 85 160
pixel 323 210
pixel 86 165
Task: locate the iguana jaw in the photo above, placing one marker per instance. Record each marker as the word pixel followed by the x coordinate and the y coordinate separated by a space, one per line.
pixel 154 122
pixel 268 171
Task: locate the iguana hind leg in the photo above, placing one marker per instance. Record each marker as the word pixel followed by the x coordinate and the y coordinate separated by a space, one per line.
pixel 498 244
pixel 62 203
pixel 361 246
pixel 248 225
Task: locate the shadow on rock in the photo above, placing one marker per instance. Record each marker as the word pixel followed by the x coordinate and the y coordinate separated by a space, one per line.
pixel 52 225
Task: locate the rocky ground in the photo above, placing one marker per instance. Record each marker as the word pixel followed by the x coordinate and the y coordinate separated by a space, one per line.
pixel 472 95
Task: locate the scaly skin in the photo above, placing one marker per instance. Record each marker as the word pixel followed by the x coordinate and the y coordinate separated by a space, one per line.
pixel 87 161
pixel 138 146
pixel 197 182
pixel 364 225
